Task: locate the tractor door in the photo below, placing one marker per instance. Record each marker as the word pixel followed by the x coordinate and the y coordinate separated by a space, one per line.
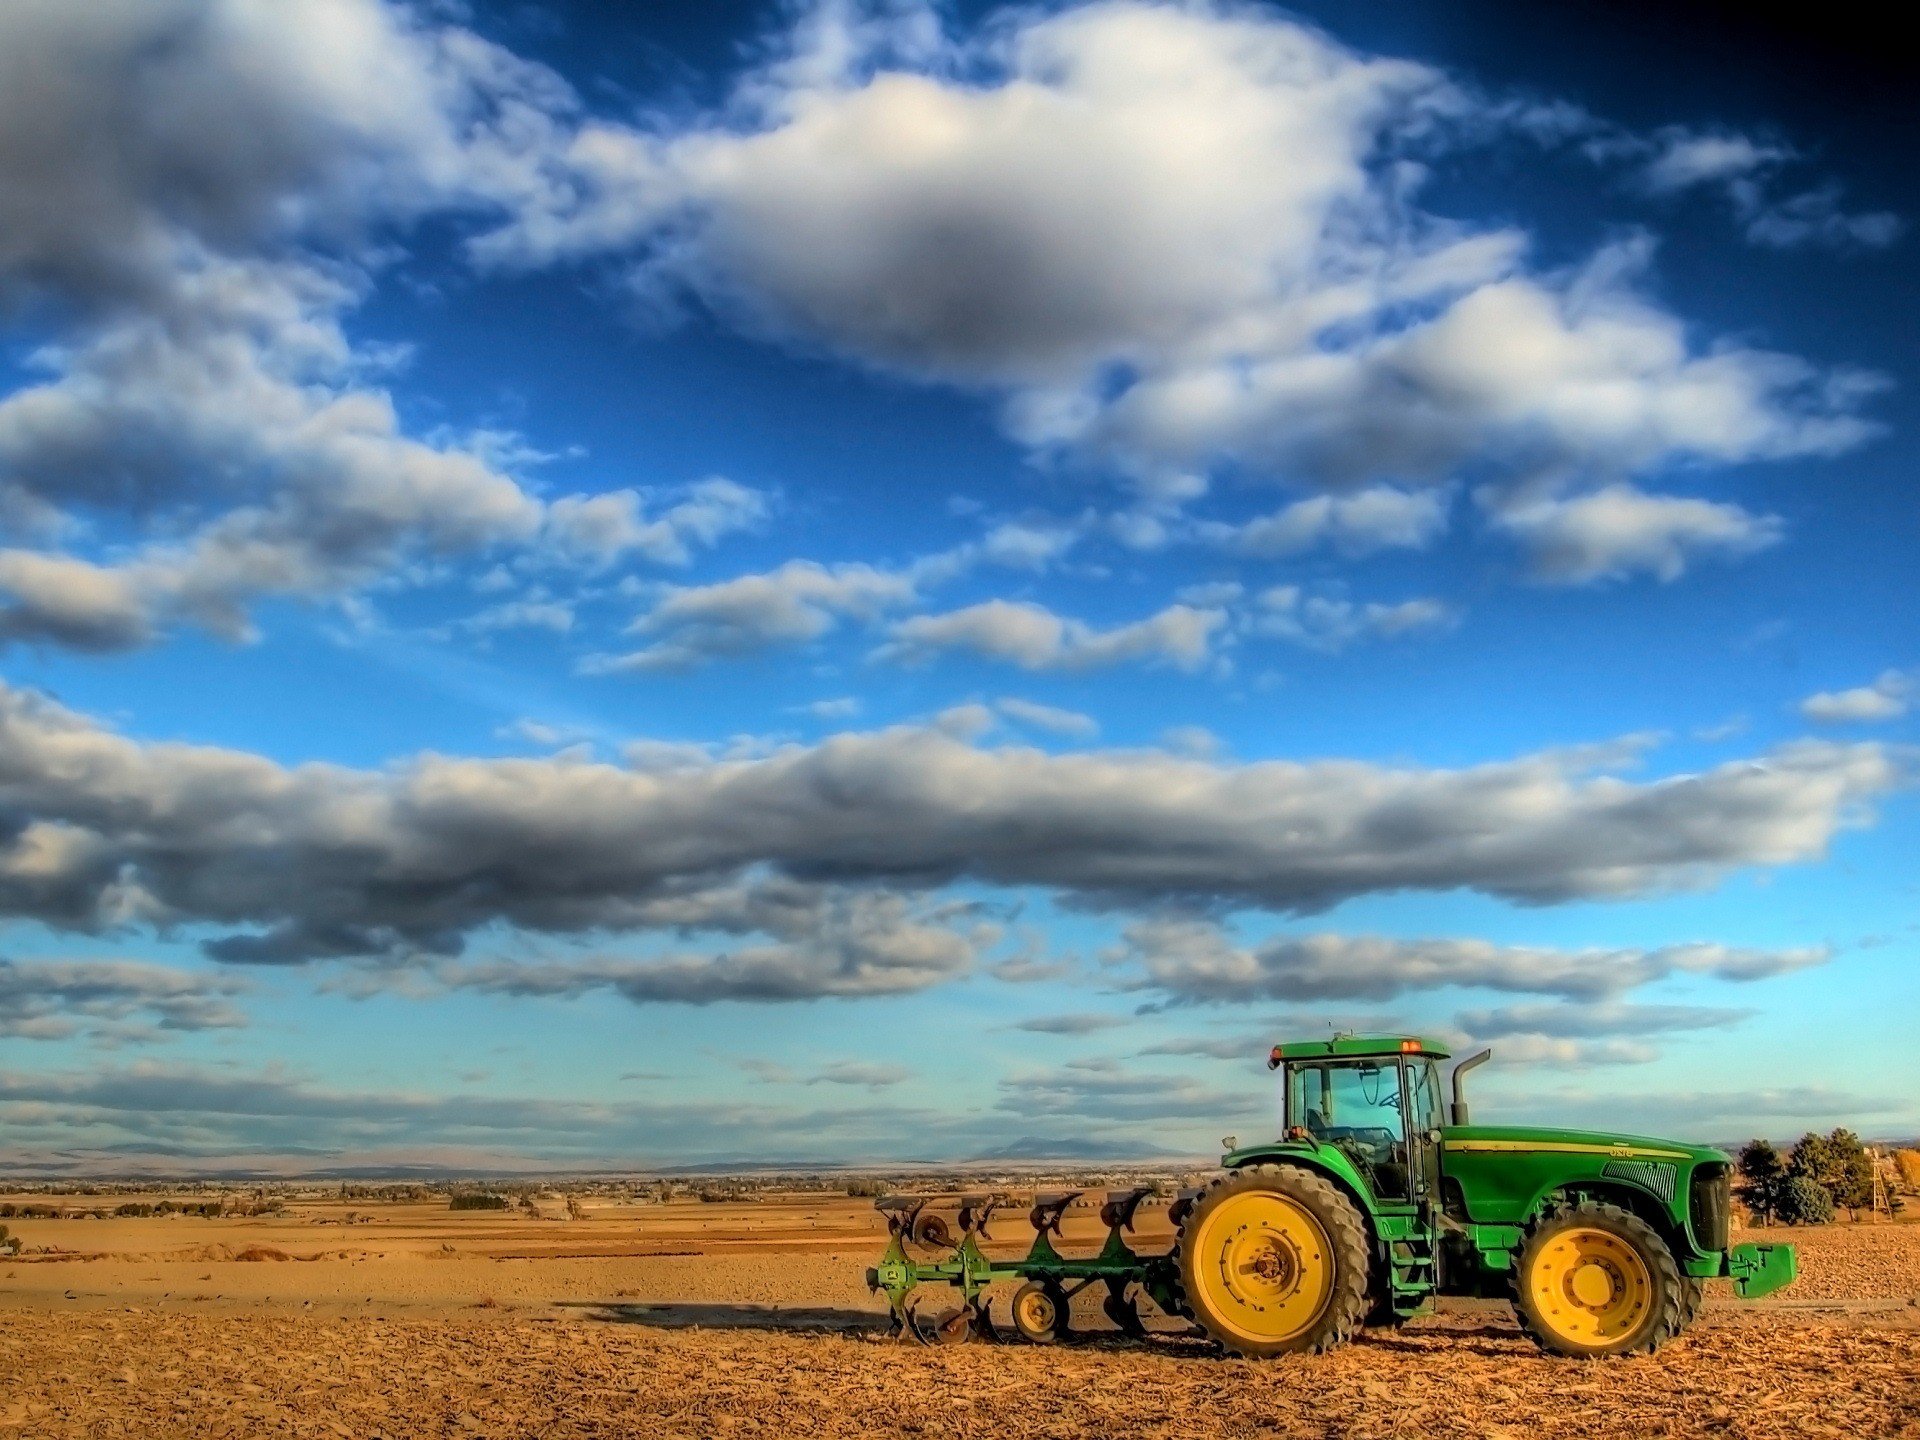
pixel 1424 1119
pixel 1355 1106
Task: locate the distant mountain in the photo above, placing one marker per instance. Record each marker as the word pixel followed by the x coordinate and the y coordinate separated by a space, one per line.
pixel 1039 1147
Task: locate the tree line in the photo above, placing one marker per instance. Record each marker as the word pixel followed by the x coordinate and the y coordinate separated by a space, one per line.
pixel 1818 1176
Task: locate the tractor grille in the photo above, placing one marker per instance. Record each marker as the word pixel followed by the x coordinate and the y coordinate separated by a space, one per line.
pixel 1653 1175
pixel 1712 1206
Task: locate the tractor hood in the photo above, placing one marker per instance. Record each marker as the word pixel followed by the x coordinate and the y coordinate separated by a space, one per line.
pixel 1539 1139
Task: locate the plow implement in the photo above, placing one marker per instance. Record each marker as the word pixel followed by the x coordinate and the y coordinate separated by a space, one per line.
pixel 928 1246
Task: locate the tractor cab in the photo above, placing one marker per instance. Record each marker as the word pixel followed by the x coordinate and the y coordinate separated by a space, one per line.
pixel 1376 1101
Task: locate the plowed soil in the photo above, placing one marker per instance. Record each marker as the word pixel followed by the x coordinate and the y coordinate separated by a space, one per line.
pixel 420 1323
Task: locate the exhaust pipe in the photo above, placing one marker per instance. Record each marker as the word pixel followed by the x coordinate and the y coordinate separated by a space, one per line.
pixel 1459 1094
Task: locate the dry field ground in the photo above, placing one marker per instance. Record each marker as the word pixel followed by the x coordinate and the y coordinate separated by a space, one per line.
pixel 721 1320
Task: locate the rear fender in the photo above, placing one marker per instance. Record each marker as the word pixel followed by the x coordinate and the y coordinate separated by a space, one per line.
pixel 1327 1159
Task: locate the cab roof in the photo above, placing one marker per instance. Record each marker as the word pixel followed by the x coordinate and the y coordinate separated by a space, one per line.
pixel 1342 1047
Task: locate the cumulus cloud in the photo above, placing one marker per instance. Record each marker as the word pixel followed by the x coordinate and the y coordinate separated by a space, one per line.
pixel 1622 530
pixel 616 523
pixel 1196 961
pixel 53 999
pixel 1887 698
pixel 1176 238
pixel 1034 638
pixel 101 832
pixel 186 187
pixel 193 196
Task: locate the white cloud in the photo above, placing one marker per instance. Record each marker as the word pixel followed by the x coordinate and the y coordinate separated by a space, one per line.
pixel 1746 171
pixel 1332 623
pixel 529 614
pixel 186 188
pixel 542 732
pixel 1377 518
pixel 1034 638
pixel 840 707
pixel 194 194
pixel 1048 717
pixel 1175 237
pixel 606 526
pixel 798 602
pixel 1621 530
pixel 1887 698
pixel 1686 158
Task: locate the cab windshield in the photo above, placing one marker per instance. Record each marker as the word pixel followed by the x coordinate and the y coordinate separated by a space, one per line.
pixel 1354 1105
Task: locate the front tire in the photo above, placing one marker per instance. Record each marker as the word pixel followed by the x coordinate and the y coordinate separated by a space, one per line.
pixel 1595 1280
pixel 1273 1260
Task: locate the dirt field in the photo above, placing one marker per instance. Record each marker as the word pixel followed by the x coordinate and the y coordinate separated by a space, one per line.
pixel 749 1319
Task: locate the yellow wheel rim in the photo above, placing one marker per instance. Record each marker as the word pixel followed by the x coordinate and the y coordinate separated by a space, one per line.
pixel 1034 1311
pixel 1590 1287
pixel 1263 1267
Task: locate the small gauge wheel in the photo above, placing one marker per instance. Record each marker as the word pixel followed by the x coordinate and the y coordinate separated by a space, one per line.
pixel 1040 1311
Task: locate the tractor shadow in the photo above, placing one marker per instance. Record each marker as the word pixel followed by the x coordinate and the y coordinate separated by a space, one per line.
pixel 692 1315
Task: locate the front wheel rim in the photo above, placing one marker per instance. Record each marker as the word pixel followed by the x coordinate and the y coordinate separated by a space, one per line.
pixel 1591 1287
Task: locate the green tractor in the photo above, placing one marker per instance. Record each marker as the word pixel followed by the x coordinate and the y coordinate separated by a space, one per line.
pixel 1376 1199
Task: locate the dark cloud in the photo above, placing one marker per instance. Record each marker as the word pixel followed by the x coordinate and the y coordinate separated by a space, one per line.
pixel 1078 1023
pixel 102 832
pixel 1194 961
pixel 193 1110
pixel 1105 1091
pixel 837 944
pixel 52 999
pixel 1606 1018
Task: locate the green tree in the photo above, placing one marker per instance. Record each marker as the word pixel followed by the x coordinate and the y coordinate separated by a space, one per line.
pixel 1805 1201
pixel 1852 1179
pixel 1839 1164
pixel 1762 1172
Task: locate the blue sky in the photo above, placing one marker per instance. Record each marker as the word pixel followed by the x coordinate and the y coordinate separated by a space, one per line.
pixel 861 581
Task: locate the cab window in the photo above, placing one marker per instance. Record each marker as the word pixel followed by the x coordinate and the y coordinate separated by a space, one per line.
pixel 1349 1099
pixel 1423 1091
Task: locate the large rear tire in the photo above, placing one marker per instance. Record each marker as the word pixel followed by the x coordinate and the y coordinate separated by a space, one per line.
pixel 1596 1280
pixel 1273 1260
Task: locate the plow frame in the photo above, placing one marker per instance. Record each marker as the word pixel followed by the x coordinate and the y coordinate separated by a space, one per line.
pixel 970 1270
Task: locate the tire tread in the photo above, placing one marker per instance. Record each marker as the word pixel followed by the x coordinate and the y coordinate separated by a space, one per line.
pixel 1352 1296
pixel 1680 1295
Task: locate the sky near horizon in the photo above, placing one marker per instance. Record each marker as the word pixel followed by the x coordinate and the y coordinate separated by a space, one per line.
pixel 602 586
